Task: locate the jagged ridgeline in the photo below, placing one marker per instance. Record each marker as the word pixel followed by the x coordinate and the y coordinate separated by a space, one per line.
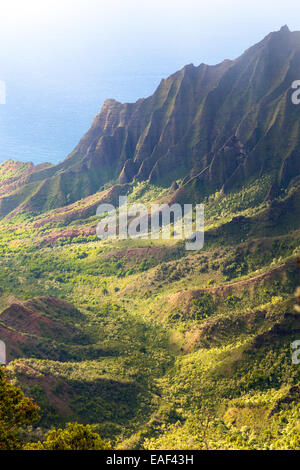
pixel 159 347
pixel 213 127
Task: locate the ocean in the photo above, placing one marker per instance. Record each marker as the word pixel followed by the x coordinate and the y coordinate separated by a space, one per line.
pixel 43 122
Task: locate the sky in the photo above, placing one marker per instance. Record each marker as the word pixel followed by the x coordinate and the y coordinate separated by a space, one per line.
pixel 61 59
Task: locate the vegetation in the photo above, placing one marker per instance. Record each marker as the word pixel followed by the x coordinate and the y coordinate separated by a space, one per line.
pixel 74 437
pixel 139 341
pixel 16 411
pixel 162 348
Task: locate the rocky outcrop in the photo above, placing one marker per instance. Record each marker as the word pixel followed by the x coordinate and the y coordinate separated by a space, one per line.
pixel 128 172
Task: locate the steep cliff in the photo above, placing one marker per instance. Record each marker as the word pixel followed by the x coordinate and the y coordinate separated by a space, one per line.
pixel 212 127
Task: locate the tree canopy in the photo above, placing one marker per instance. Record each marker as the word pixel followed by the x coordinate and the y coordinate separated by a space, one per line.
pixel 74 437
pixel 16 411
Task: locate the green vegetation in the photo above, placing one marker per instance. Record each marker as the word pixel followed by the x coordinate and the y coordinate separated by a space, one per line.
pixel 141 342
pixel 16 411
pixel 74 437
pixel 163 348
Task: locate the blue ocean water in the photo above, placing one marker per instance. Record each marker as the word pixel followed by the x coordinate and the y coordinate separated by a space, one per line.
pixel 43 122
pixel 60 62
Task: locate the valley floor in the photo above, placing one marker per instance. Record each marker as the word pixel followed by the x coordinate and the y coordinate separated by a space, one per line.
pixel 155 346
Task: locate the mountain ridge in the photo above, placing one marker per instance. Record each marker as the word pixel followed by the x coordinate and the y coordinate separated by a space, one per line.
pixel 220 125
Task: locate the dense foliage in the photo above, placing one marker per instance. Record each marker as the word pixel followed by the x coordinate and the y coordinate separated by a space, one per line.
pixel 165 348
pixel 16 412
pixel 74 437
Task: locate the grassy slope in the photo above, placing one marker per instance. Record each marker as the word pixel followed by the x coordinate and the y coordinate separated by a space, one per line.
pixel 169 348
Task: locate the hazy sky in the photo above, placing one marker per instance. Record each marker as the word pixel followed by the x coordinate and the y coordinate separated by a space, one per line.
pixel 61 58
pixel 61 38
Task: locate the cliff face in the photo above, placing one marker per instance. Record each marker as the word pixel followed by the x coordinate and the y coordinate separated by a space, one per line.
pixel 216 125
pixel 186 125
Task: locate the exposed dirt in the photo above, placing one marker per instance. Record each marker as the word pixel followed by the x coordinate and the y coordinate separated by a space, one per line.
pixel 185 297
pixel 24 317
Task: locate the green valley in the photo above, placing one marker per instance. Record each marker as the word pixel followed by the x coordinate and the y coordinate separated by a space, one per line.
pixel 154 346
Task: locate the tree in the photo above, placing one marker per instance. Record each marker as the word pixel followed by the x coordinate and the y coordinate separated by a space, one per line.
pixel 16 411
pixel 74 437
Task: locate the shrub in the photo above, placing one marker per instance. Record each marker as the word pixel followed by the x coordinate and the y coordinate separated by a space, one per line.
pixel 74 437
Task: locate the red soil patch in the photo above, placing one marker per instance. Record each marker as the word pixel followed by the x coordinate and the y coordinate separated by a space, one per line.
pixel 82 209
pixel 184 298
pixel 139 253
pixel 69 234
pixel 29 317
pixel 24 324
pixel 30 376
